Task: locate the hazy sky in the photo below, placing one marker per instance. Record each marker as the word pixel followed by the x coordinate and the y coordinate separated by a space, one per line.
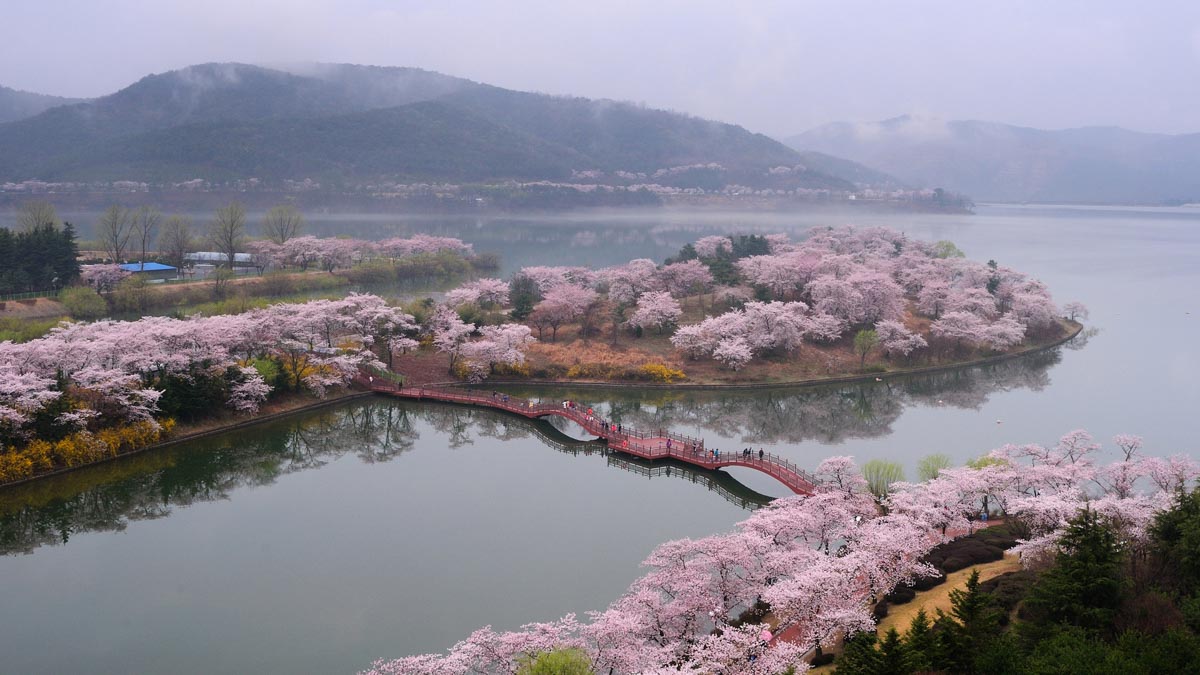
pixel 775 67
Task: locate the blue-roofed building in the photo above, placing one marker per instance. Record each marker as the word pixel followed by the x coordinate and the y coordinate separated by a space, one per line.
pixel 151 270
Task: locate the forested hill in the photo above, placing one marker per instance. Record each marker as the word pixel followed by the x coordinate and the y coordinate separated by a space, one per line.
pixel 16 104
pixel 356 123
pixel 1000 162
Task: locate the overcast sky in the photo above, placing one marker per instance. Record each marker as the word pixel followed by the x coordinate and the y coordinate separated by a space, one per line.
pixel 775 67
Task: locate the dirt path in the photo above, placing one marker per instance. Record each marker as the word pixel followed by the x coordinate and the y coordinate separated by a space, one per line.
pixel 938 597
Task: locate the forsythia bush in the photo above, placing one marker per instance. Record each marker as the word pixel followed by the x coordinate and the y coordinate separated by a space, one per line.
pixel 657 372
pixel 14 466
pixel 519 370
pixel 599 361
pixel 79 448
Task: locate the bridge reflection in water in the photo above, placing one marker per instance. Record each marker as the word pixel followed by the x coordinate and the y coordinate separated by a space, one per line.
pixel 653 444
pixel 152 485
pixel 720 482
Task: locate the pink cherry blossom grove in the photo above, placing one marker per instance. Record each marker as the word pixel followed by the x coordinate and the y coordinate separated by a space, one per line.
pixel 330 253
pixel 820 562
pixel 114 371
pixel 841 279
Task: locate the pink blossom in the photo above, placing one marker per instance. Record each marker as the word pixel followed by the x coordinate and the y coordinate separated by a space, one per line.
pixel 707 247
pixel 655 309
pixel 103 278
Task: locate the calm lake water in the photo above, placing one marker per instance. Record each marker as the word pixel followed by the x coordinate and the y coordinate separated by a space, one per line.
pixel 378 528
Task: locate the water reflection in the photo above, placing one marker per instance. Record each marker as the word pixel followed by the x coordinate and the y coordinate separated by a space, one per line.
pixel 150 486
pixel 826 414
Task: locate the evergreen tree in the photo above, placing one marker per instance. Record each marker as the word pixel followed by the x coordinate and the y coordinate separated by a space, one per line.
pixel 1084 586
pixel 971 625
pixel 523 294
pixel 1176 535
pixel 860 657
pixel 891 654
pixel 920 645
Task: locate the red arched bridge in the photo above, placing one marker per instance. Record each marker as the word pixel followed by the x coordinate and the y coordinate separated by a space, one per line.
pixel 659 444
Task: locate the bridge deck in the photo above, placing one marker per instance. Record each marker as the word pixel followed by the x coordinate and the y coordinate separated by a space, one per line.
pixel 658 444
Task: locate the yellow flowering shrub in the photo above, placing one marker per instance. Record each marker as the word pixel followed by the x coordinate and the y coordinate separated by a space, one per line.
pixel 79 448
pixel 657 372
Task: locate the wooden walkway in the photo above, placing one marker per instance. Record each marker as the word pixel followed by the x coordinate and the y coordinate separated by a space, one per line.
pixel 651 445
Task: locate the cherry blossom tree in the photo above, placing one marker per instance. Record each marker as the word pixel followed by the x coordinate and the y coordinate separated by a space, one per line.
pixel 249 393
pixel 626 283
pixel 450 333
pixel 1034 309
pixel 838 297
pixel 504 344
pixel 104 278
pixel 656 309
pixel 1004 333
pixel 975 301
pixel 933 297
pixel 560 305
pixel 683 279
pixel 896 339
pixel 1075 310
pixel 734 352
pixel 959 327
pixel 708 247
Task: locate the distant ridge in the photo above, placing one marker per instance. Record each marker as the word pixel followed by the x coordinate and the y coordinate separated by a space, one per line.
pixel 1001 162
pixel 16 104
pixel 338 122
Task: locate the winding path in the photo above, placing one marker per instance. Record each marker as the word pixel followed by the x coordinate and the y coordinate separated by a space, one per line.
pixel 651 445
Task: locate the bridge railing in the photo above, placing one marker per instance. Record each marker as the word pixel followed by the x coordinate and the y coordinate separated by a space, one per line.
pixel 684 447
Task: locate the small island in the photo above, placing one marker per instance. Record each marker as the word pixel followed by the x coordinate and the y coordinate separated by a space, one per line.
pixel 743 310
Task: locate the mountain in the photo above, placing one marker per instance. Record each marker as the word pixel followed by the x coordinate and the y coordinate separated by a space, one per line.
pixel 1000 162
pixel 16 104
pixel 347 122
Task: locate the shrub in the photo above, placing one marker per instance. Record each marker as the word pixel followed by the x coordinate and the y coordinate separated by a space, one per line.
pixel 598 361
pixel 14 466
pixel 486 261
pixel 79 448
pixel 275 284
pixel 556 662
pixel 902 594
pixel 269 370
pixel 657 372
pixel 20 329
pixel 83 303
pixel 133 295
pixel 374 272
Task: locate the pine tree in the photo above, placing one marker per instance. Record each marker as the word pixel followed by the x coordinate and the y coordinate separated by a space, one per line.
pixel 920 645
pixel 860 656
pixel 1084 586
pixel 891 654
pixel 970 626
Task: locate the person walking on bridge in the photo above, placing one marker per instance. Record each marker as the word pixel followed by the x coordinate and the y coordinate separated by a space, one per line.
pixel 760 454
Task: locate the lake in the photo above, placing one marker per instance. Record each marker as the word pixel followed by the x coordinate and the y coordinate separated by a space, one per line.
pixel 380 528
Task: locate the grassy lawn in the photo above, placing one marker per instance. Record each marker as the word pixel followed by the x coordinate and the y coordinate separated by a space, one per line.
pixel 938 597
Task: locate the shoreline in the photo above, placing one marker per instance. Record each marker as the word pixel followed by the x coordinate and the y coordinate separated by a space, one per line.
pixel 355 394
pixel 350 395
pixel 837 379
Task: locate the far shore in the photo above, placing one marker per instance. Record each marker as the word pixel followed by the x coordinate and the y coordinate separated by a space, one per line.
pixel 295 405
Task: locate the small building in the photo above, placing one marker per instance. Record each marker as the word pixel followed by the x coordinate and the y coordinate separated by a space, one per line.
pixel 243 263
pixel 151 270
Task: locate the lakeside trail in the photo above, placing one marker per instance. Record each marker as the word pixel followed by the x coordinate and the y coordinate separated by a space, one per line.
pixel 938 597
